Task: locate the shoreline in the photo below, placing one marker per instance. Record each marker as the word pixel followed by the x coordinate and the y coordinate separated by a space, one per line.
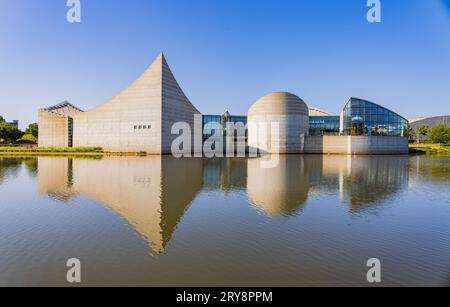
pixel 49 153
pixel 413 152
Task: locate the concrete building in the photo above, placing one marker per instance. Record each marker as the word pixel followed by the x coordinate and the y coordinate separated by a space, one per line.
pixel 429 121
pixel 140 119
pixel 56 125
pixel 314 112
pixel 356 145
pixel 289 113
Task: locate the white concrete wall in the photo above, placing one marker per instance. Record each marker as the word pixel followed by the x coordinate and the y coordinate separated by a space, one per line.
pixel 111 125
pixel 54 125
pixel 285 111
pixel 176 107
pixel 359 145
pixel 155 100
pixel 53 129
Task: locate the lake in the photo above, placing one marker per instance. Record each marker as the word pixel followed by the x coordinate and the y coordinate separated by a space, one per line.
pixel 161 221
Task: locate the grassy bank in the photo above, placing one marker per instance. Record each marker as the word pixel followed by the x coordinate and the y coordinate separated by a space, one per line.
pixel 51 150
pixel 430 149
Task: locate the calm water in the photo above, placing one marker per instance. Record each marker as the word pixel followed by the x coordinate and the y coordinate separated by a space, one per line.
pixel 313 220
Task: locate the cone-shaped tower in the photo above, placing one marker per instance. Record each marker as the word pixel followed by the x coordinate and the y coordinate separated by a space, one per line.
pixel 141 117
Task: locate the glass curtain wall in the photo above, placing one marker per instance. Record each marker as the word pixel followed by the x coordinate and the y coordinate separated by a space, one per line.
pixel 216 125
pixel 362 117
pixel 324 125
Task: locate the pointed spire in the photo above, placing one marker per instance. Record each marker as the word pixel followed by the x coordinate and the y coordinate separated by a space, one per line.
pixel 226 114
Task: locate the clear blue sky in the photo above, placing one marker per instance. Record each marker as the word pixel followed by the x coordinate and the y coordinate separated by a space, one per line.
pixel 227 53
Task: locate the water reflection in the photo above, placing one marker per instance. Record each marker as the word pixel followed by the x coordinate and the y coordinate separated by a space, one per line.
pixel 435 169
pixel 305 222
pixel 279 191
pixel 56 178
pixel 153 193
pixel 225 174
pixel 373 181
pixel 364 182
pixel 10 167
pixel 150 193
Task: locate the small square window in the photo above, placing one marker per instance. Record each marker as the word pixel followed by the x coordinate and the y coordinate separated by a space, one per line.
pixel 135 127
pixel 140 127
pixel 145 127
pixel 149 127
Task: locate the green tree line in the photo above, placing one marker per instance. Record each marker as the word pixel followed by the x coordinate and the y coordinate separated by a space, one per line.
pixel 12 135
pixel 439 134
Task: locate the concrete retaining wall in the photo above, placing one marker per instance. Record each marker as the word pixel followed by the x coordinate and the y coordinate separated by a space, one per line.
pixel 358 145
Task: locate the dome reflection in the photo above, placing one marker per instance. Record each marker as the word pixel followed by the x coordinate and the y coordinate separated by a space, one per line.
pixel 279 191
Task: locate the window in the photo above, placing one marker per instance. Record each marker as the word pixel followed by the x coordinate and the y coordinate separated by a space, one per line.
pixel 366 118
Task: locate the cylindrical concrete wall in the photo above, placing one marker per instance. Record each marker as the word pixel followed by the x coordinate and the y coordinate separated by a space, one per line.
pixel 278 123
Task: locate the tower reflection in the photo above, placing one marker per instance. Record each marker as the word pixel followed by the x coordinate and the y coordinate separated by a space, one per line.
pixel 151 193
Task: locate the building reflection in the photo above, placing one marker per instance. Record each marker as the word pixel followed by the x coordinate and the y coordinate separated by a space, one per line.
pixel 56 178
pixel 151 193
pixel 225 174
pixel 364 182
pixel 279 191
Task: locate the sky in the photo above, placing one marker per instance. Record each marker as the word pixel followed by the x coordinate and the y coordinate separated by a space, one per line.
pixel 226 54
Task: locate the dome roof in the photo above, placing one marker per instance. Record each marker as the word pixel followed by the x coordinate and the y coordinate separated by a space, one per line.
pixel 279 103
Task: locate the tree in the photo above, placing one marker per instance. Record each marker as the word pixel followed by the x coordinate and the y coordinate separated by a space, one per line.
pixel 409 132
pixel 9 133
pixel 33 129
pixel 27 138
pixel 2 120
pixel 422 131
pixel 440 134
